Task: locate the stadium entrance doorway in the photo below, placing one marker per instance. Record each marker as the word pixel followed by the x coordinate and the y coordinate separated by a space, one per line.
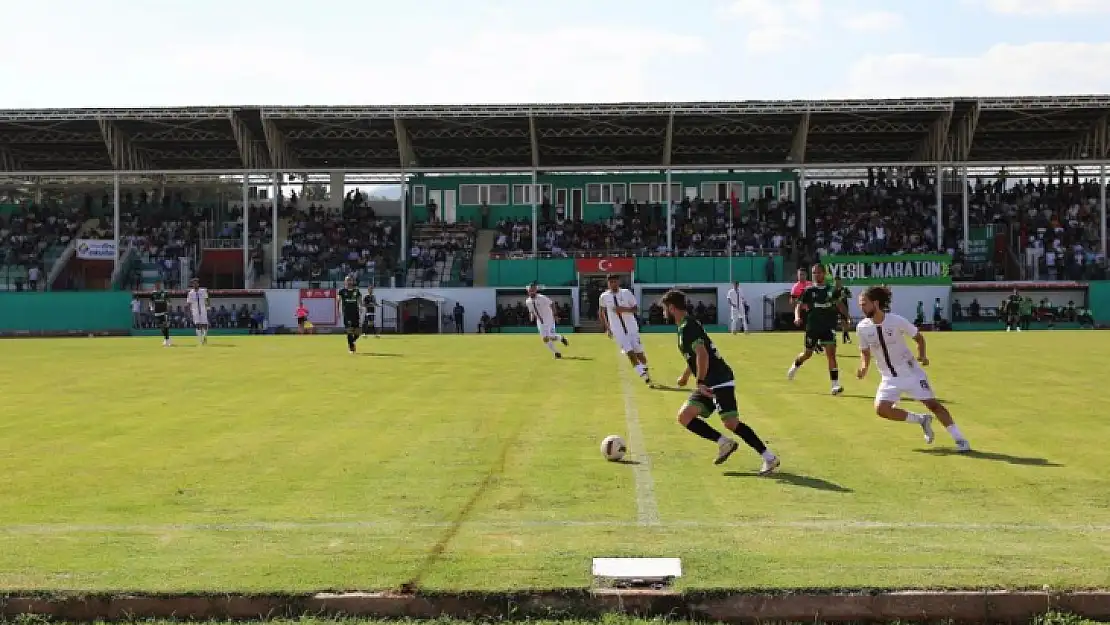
pixel 592 274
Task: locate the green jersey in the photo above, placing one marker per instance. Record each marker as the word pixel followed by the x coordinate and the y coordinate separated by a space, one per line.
pixel 691 334
pixel 349 300
pixel 821 303
pixel 160 301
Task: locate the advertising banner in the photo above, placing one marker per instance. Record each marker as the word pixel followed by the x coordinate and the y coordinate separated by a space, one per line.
pixel 905 269
pixel 95 249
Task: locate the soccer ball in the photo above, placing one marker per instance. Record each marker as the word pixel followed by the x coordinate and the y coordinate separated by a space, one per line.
pixel 613 448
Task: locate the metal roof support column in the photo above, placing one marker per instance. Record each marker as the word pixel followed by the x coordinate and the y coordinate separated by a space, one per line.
pixel 115 224
pixel 1102 204
pixel 801 139
pixel 932 148
pixel 251 155
pixel 534 138
pixel 121 149
pixel 967 220
pixel 404 226
pixel 404 144
pixel 281 155
pixel 670 216
pixel 275 251
pixel 246 231
pixel 668 141
pixel 802 201
pixel 535 219
pixel 939 188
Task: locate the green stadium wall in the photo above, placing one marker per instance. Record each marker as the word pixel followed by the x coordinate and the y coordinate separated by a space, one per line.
pixel 1098 300
pixel 61 311
pixel 590 211
pixel 560 271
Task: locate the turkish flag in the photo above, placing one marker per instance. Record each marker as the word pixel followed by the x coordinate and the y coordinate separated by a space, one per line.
pixel 605 265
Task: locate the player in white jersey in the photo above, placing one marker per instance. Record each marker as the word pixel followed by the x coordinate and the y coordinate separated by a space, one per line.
pixel 737 309
pixel 618 309
pixel 196 301
pixel 885 333
pixel 542 311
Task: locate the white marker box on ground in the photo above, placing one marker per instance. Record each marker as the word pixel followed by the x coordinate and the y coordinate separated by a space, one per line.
pixel 637 571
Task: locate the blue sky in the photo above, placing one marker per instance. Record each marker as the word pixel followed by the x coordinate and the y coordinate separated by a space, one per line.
pixel 75 53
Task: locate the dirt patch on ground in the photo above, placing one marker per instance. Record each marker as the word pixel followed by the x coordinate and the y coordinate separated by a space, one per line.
pixel 725 606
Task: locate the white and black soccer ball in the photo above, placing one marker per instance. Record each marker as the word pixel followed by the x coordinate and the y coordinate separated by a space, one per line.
pixel 613 448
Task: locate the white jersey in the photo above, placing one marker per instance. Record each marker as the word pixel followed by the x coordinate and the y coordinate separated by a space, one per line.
pixel 197 300
pixel 736 301
pixel 542 309
pixel 619 323
pixel 887 342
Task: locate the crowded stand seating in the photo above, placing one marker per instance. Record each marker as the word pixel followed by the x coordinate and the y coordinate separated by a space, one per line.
pixel 700 228
pixel 324 246
pixel 31 240
pixel 441 255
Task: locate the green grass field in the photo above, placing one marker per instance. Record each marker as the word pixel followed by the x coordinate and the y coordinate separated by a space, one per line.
pixel 283 463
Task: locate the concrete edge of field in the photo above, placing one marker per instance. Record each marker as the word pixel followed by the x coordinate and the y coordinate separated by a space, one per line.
pixel 724 606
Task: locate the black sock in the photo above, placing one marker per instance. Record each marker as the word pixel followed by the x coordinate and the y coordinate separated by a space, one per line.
pixel 797 362
pixel 749 436
pixel 704 430
pixel 834 374
pixel 350 341
pixel 166 333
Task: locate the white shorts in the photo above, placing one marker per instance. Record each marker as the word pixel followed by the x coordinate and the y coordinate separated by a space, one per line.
pixel 628 342
pixel 547 330
pixel 737 313
pixel 200 318
pixel 915 384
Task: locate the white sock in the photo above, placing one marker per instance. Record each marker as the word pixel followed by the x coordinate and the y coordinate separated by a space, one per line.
pixel 551 345
pixel 915 417
pixel 641 370
pixel 768 455
pixel 558 337
pixel 954 430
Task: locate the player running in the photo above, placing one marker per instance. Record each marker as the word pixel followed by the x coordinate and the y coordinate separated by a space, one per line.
pixel 542 311
pixel 160 307
pixel 843 295
pixel 370 309
pixel 886 332
pixel 1011 311
pixel 737 308
pixel 796 292
pixel 197 305
pixel 350 304
pixel 821 322
pixel 716 390
pixel 618 314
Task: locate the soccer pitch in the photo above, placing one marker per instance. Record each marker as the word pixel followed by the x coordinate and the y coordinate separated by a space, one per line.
pixel 472 462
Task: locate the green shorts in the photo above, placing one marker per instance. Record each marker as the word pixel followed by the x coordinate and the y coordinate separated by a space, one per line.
pixel 723 402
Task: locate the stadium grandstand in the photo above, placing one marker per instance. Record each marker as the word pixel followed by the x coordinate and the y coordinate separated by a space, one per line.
pixel 253 197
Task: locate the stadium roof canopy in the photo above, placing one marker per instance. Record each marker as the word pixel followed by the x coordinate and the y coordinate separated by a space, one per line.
pixel 558 136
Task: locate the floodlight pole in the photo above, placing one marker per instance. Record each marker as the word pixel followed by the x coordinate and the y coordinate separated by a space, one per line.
pixel 115 223
pixel 404 225
pixel 246 231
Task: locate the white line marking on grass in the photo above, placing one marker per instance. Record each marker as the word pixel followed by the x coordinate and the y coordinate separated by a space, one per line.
pixel 830 525
pixel 647 511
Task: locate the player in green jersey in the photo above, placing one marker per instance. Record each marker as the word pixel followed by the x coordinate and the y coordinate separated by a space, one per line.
pixel 160 307
pixel 350 305
pixel 716 390
pixel 824 315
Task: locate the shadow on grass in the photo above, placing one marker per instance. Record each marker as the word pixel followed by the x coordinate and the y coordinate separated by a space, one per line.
pixel 1028 461
pixel 793 479
pixel 626 461
pixel 583 358
pixel 380 355
pixel 671 389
